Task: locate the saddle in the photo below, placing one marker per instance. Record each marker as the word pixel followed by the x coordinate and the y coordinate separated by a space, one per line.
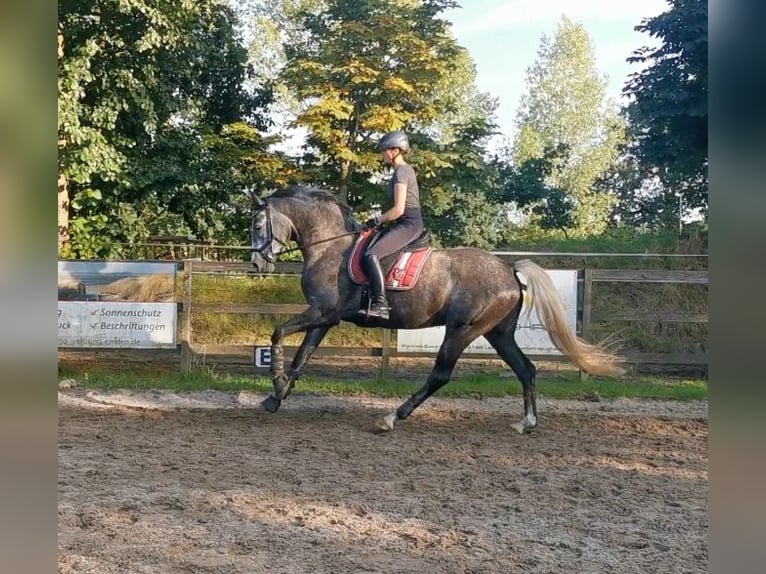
pixel 401 269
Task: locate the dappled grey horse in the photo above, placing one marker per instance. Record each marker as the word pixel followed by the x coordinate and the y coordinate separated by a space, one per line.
pixel 469 291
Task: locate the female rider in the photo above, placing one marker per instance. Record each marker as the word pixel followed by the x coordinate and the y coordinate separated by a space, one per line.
pixel 405 217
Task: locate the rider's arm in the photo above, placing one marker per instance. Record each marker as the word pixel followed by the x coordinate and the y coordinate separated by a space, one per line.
pixel 400 196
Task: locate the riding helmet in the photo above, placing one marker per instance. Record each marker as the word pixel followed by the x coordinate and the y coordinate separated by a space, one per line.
pixel 397 139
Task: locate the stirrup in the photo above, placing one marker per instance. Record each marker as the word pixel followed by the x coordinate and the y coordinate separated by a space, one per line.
pixel 372 312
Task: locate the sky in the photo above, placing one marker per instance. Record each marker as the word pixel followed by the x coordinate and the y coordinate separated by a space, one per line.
pixel 503 37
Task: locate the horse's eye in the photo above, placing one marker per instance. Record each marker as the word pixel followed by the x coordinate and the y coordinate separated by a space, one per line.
pixel 259 221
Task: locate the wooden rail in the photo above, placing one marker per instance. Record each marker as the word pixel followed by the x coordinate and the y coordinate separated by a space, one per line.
pixel 190 352
pixel 650 276
pixel 243 353
pixel 591 276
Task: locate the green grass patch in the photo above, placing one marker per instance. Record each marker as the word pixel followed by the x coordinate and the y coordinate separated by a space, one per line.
pixel 560 386
pixel 236 329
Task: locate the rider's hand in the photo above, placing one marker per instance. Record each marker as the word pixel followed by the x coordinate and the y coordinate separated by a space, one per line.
pixel 372 223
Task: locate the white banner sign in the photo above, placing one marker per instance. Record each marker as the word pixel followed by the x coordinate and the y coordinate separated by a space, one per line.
pixel 127 325
pixel 530 333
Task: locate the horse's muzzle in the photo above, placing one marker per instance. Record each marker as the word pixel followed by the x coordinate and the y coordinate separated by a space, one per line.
pixel 261 264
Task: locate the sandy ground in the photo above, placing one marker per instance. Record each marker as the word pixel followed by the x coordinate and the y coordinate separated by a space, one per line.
pixel 166 483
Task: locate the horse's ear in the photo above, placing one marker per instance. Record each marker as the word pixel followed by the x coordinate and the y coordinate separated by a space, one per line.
pixel 258 202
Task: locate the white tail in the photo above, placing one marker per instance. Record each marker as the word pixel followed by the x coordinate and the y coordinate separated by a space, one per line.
pixel 546 300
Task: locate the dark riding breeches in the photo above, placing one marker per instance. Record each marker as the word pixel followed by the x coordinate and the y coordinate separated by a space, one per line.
pixel 394 239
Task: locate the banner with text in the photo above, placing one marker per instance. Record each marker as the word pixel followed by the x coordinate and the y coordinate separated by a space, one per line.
pixel 117 304
pixel 530 333
pixel 128 325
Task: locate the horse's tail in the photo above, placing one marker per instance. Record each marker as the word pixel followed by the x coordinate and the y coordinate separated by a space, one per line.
pixel 546 300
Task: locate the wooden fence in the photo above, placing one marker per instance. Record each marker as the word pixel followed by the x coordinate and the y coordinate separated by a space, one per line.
pixel 191 351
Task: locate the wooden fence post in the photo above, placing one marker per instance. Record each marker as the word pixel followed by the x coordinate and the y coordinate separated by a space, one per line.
pixel 186 352
pixel 587 289
pixel 385 354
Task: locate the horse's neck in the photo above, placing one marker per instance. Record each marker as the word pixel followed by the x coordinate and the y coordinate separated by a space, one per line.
pixel 322 231
pixel 331 252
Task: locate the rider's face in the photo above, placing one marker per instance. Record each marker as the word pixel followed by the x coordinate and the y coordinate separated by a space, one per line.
pixel 388 155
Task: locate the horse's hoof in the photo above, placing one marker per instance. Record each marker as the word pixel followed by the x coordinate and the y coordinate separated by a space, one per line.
pixel 386 424
pixel 271 403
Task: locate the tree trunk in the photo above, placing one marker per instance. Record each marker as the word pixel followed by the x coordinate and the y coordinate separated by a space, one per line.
pixel 63 212
pixel 63 195
pixel 345 174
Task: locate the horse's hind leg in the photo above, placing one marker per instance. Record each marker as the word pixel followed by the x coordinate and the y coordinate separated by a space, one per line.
pixel 455 341
pixel 506 346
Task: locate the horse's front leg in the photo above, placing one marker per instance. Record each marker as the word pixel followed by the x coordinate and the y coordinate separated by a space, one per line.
pixel 311 341
pixel 316 323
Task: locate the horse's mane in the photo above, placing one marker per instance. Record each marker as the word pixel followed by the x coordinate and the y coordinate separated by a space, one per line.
pixel 310 194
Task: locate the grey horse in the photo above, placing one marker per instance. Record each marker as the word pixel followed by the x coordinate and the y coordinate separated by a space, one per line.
pixel 469 291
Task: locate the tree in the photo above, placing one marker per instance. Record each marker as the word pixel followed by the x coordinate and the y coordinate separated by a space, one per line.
pixel 528 187
pixel 240 161
pixel 453 186
pixel 456 183
pixel 449 147
pixel 640 198
pixel 268 26
pixel 361 68
pixel 464 106
pixel 566 107
pixel 63 196
pixel 141 85
pixel 668 112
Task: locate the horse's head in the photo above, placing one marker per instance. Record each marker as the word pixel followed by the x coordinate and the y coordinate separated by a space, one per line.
pixel 269 233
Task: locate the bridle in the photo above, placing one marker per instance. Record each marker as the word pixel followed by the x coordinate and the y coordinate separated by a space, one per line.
pixel 267 252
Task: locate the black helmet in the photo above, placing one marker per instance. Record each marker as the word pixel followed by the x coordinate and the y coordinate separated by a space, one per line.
pixel 394 139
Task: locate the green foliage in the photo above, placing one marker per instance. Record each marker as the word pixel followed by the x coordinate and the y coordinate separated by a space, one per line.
pixel 362 68
pixel 269 26
pixel 668 112
pixel 163 120
pixel 636 194
pixel 240 165
pixel 456 181
pixel 566 109
pixel 528 187
pixel 613 240
pixel 141 87
pixel 461 102
pixel 355 70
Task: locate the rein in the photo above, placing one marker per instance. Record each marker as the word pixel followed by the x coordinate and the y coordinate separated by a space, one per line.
pixel 333 238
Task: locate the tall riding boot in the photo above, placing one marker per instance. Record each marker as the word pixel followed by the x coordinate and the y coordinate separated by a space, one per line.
pixel 378 303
